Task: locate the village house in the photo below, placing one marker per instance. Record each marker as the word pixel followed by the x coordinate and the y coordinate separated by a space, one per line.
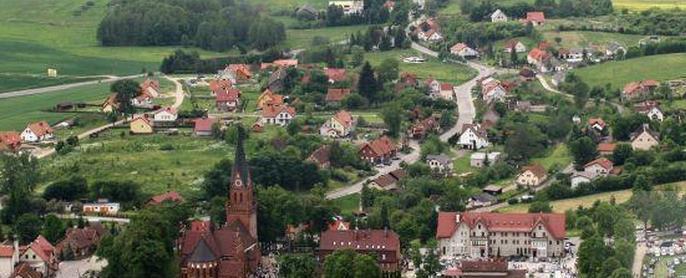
pixel 481 200
pixel 10 141
pixel 277 80
pixel 335 75
pixel 651 109
pixel 321 157
pixel 150 87
pixel 110 104
pixel 540 58
pixel 40 256
pixel 493 190
pixel 582 177
pixel 230 250
pixel 420 129
pixel 141 125
pixel 219 85
pixel 640 89
pixel 81 242
pixel 384 182
pixel 166 115
pixel 440 163
pixel 446 92
pixel 429 31
pixel 336 96
pixel 339 125
pixel 169 196
pixel 498 16
pixel 601 166
pixel 464 51
pixel 277 115
pixel 142 100
pixel 644 138
pixel 238 72
pixel 268 99
pixel 481 268
pixel 492 90
pixel 279 64
pixel 526 74
pixel 596 124
pixel 383 245
pixel 606 149
pixel 480 235
pixel 407 80
pixel 481 159
pixel 24 270
pixel 380 150
pixel 228 100
pixel 433 85
pixel 203 126
pixel 36 132
pixel 349 7
pixel 515 44
pixel 532 176
pixel 535 18
pixel 101 207
pixel 473 137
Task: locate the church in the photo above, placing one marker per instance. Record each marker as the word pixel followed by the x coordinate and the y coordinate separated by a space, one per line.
pixel 230 251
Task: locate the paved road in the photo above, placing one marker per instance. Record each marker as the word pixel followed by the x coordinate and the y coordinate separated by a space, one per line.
pixel 638 258
pixel 178 94
pixel 50 89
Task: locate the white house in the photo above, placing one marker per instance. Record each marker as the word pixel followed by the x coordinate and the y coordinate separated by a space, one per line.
pixel 518 46
pixel 601 166
pixel 498 16
pixel 430 35
pixel 101 207
pixel 446 91
pixel 532 175
pixel 614 49
pixel 582 177
pixel 339 125
pixel 36 132
pixel 440 163
pixel 142 100
pixel 277 115
pixel 493 91
pixel 166 115
pixel 650 109
pixel 464 51
pixel 349 7
pixel 473 137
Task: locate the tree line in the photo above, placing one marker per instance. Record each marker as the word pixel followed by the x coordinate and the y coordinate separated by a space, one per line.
pixel 213 25
pixel 480 10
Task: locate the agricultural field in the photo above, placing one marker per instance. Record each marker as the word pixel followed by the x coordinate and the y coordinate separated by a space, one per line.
pixel 557 157
pixel 453 73
pixel 12 82
pixel 299 38
pixel 647 4
pixel 154 161
pixel 658 67
pixel 573 39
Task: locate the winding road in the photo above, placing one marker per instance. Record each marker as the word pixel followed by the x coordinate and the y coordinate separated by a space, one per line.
pixel 466 114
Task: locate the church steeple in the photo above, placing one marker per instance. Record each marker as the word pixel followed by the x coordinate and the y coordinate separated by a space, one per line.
pixel 241 205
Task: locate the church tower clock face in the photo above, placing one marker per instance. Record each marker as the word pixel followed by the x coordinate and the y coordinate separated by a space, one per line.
pixel 238 182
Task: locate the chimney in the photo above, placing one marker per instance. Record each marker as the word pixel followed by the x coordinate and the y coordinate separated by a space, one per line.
pixel 457 218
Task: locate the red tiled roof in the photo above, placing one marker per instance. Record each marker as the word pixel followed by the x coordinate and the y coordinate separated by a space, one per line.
pixel 336 75
pixel 230 94
pixel 345 118
pixel 458 47
pixel 536 169
pixel 633 88
pixel 169 196
pixel 535 17
pixel 510 44
pixel 24 270
pixel 150 83
pixel 273 111
pixel 42 248
pixel 286 62
pixel 385 180
pixel 243 69
pixel 220 85
pixel 539 55
pixel 523 222
pixel 606 147
pixel 203 124
pixel 339 225
pixel 360 240
pixel 336 94
pixel 381 146
pixel 320 156
pixel 6 251
pixel 594 121
pixel 603 162
pixel 446 87
pixel 40 128
pixel 10 139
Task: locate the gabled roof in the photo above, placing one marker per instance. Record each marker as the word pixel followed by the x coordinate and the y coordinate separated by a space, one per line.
pixel 596 121
pixel 228 95
pixel 172 196
pixel 144 119
pixel 273 111
pixel 204 124
pixel 645 128
pixel 536 169
pixel 344 118
pixel 42 248
pixel 24 270
pixel 240 68
pixel 170 110
pixel 501 222
pixel 446 87
pixel 339 225
pixel 476 129
pixel 539 54
pixel 334 95
pixel 381 146
pixel 40 128
pixel 602 162
pixel 320 156
pixel 219 85
pixel 535 16
pixel 385 180
pixel 458 47
pixel 336 75
pixel 606 147
pixel 11 139
pixel 510 44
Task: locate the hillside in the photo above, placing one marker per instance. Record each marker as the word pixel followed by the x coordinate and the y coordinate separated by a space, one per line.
pixel 658 67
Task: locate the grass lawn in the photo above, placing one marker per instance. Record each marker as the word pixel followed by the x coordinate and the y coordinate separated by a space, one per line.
pixel 454 73
pixel 141 158
pixel 296 38
pixel 348 204
pixel 647 4
pixel 561 206
pixel 12 82
pixel 573 39
pixel 557 156
pixel 658 67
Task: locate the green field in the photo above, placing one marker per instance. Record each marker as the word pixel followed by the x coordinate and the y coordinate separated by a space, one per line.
pixel 647 4
pixel 454 73
pixel 142 159
pixel 296 38
pixel 572 39
pixel 558 156
pixel 658 67
pixel 12 82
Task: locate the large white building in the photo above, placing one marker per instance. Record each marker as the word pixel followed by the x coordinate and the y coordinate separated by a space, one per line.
pixel 349 7
pixel 479 235
pixel 473 137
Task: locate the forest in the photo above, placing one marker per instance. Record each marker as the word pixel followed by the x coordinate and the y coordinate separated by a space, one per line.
pixel 208 24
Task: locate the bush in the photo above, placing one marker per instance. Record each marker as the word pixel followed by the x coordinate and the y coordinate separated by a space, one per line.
pixel 513 201
pixel 67 190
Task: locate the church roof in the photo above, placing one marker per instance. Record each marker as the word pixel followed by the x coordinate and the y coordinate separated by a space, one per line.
pixel 240 164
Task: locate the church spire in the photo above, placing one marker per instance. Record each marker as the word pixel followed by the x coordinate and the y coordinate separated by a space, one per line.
pixel 240 165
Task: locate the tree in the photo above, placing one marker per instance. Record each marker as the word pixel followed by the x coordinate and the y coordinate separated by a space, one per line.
pixel 297 265
pixel 266 32
pixel 605 215
pixel 18 179
pixel 357 57
pixel 624 126
pixel 624 228
pixel 621 273
pixel 67 190
pixel 621 153
pixel 126 90
pixel 624 252
pixel 53 228
pixel 367 84
pixel 584 150
pixel 388 70
pixel 526 142
pixel 340 264
pixel 447 120
pixel 540 206
pixel 609 266
pixel 585 223
pixel 641 183
pixel 27 227
pixel 216 180
pixel 365 266
pixel 392 116
pixel 591 255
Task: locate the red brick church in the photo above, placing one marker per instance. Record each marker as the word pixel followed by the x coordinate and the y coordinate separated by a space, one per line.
pixel 231 250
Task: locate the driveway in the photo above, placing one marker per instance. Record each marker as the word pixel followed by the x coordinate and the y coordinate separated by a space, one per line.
pixel 72 269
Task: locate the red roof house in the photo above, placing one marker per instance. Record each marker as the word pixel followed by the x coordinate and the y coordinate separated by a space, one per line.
pixel 9 141
pixel 171 196
pixel 378 151
pixel 203 126
pixel 535 18
pixel 336 95
pixel 335 75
